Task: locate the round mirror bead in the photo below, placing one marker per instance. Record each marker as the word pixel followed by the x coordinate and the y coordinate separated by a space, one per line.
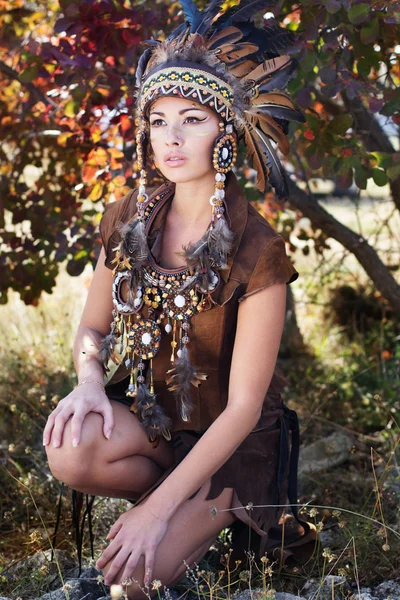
pixel 146 338
pixel 179 301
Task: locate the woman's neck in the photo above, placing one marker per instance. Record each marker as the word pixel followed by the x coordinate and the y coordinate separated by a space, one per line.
pixel 191 202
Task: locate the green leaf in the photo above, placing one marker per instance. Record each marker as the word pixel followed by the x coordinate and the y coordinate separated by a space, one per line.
pixel 29 74
pixel 393 172
pixel 370 32
pixel 333 6
pixel 308 62
pixel 363 67
pixel 361 177
pixel 358 13
pixel 390 107
pixel 312 121
pixel 71 108
pixel 384 159
pixel 379 176
pixel 340 124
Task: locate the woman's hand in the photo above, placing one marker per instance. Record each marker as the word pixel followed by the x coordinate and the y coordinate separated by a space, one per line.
pixel 81 401
pixel 137 532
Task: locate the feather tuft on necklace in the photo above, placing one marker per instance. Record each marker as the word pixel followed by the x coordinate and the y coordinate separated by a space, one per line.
pixel 153 417
pixel 181 377
pixel 134 242
pixel 211 250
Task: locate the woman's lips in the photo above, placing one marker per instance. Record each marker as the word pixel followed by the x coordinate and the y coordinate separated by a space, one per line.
pixel 177 162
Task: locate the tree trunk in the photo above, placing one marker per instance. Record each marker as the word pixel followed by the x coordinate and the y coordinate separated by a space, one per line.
pixel 356 244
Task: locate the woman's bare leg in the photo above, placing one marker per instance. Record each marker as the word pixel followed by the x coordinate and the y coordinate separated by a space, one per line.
pixel 190 533
pixel 124 466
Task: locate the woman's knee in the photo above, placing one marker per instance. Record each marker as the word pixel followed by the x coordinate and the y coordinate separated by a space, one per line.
pixel 74 465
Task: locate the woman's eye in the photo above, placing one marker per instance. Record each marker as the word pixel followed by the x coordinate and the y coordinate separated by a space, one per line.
pixel 157 122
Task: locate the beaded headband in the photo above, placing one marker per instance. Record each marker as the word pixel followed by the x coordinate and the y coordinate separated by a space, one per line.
pixel 190 82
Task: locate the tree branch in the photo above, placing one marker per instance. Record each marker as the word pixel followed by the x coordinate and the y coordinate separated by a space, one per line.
pixel 355 243
pixel 36 92
pixel 368 128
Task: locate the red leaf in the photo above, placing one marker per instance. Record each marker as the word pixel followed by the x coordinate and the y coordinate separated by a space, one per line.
pixel 309 135
pixel 130 37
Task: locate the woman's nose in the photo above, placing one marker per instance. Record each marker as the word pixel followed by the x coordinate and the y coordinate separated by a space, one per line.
pixel 173 136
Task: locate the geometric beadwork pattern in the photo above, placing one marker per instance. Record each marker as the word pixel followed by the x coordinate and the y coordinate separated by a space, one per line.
pixel 206 88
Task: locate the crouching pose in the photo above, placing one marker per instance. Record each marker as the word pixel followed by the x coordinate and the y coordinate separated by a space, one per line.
pixel 178 407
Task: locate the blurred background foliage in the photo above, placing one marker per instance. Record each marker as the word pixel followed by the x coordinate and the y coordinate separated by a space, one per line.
pixel 67 129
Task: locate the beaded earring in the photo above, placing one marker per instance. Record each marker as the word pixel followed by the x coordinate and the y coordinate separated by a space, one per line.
pixel 141 148
pixel 224 158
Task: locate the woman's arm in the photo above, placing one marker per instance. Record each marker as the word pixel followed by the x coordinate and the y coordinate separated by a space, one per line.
pixel 93 326
pixel 259 330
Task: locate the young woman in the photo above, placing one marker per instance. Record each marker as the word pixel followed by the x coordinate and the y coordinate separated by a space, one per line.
pixel 191 423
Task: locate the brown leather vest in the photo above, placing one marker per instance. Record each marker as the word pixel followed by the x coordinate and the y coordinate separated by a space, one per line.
pixel 258 260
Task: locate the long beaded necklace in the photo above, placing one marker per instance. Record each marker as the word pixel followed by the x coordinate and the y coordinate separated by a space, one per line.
pixel 172 298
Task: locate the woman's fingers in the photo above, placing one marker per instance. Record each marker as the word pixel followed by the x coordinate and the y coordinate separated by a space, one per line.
pixel 50 424
pixel 114 529
pixel 76 426
pixel 59 424
pixel 117 560
pixel 130 566
pixel 108 416
pixel 149 565
pixel 108 553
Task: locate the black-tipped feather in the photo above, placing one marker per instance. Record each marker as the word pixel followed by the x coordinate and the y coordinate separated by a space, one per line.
pixel 142 64
pixel 277 176
pixel 271 40
pixel 206 17
pixel 242 12
pixel 282 112
pixel 279 80
pixel 191 12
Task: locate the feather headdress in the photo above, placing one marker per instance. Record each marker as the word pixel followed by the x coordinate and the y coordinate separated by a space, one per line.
pixel 236 68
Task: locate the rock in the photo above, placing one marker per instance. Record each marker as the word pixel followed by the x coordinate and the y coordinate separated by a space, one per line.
pixel 88 572
pixel 26 566
pixel 363 595
pixel 331 538
pixel 258 594
pixel 323 591
pixel 286 596
pixel 78 589
pixel 326 453
pixel 388 590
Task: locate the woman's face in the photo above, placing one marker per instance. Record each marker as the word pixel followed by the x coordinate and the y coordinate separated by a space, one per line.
pixel 182 136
